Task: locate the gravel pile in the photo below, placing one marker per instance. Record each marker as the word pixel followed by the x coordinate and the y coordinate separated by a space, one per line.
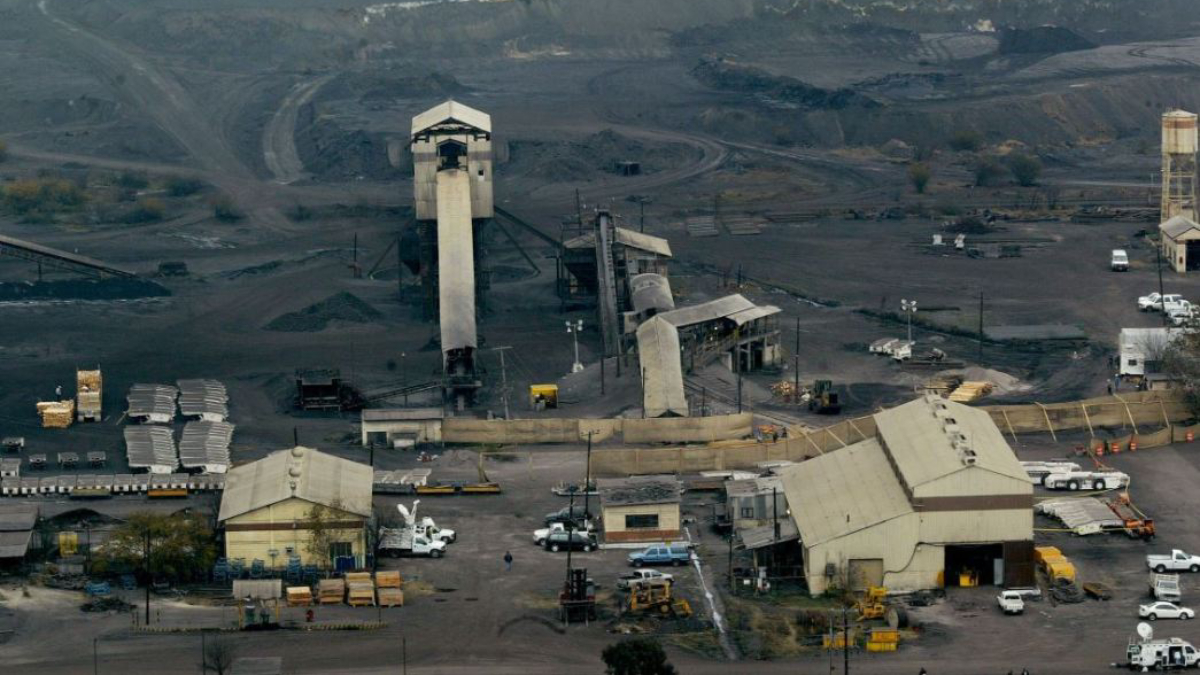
pixel 342 307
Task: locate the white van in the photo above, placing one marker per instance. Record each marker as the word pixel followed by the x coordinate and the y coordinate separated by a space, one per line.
pixel 1120 260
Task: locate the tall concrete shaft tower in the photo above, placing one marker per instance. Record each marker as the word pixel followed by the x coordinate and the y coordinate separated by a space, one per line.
pixel 1179 165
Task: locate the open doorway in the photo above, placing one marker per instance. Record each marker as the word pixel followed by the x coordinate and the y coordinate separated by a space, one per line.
pixel 975 565
pixel 1193 255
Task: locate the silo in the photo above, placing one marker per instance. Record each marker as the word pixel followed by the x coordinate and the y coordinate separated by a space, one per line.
pixel 1179 141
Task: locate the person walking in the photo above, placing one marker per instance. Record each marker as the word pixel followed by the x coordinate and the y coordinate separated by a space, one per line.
pixel 508 561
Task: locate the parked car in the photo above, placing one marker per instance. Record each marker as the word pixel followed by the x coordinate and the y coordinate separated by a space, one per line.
pixel 627 580
pixel 1176 561
pixel 567 513
pixel 1154 301
pixel 577 540
pixel 661 554
pixel 1182 314
pixel 539 535
pixel 1165 610
pixel 1011 602
pixel 1120 260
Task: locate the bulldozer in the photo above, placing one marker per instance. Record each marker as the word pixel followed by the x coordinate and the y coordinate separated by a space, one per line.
pixel 654 595
pixel 823 400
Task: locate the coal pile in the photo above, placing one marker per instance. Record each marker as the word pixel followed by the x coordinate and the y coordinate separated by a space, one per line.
pixel 342 307
pixel 81 289
pixel 729 76
pixel 335 153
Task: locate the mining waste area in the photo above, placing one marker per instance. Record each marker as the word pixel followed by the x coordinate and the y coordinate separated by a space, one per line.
pixel 265 145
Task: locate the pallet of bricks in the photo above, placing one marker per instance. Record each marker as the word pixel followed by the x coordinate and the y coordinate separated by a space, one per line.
pixel 56 414
pixel 389 588
pixel 360 589
pixel 299 596
pixel 330 591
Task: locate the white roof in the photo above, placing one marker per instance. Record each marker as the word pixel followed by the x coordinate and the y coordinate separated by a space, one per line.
pixel 658 353
pixel 1177 226
pixel 720 308
pixel 919 437
pixel 843 492
pixel 452 111
pixel 625 237
pixel 302 473
pixel 651 291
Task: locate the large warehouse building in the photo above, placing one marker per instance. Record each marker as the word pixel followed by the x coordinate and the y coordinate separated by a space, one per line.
pixel 937 498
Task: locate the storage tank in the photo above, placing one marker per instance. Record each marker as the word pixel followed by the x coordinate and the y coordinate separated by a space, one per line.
pixel 1179 133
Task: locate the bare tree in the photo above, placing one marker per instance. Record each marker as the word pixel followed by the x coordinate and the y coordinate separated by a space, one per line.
pixel 321 523
pixel 218 656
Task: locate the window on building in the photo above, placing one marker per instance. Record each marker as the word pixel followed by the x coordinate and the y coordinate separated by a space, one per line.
pixel 1133 362
pixel 747 511
pixel 340 549
pixel 641 521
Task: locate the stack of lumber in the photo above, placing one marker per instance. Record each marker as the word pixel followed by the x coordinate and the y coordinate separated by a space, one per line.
pixel 56 414
pixel 388 585
pixel 702 226
pixel 299 596
pixel 88 388
pixel 330 591
pixel 970 391
pixel 360 589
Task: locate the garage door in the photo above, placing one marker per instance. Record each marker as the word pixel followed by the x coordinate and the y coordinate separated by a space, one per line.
pixel 866 572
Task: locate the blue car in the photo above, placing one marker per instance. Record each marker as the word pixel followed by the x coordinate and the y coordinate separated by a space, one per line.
pixel 661 554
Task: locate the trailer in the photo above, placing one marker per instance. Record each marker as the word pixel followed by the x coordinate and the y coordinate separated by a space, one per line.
pixel 1085 480
pixel 1038 471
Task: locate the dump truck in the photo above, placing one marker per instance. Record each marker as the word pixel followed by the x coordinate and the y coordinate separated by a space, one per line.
pixel 88 395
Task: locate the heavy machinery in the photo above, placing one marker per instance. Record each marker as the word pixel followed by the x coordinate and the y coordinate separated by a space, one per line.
pixel 655 596
pixel 872 604
pixel 1136 524
pixel 577 601
pixel 823 400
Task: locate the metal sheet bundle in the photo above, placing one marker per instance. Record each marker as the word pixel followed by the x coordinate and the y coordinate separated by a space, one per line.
pixel 152 448
pixel 152 402
pixel 203 399
pixel 205 445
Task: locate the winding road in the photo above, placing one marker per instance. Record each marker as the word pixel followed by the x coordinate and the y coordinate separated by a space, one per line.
pixel 279 137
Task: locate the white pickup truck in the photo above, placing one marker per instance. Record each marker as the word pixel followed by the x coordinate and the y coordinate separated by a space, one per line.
pixel 1177 561
pixel 1154 301
pixel 1011 602
pixel 639 575
pixel 540 534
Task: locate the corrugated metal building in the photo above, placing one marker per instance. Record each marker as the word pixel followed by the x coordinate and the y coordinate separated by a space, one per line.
pixel 1181 243
pixel 662 373
pixel 402 427
pixel 268 505
pixel 936 495
pixel 451 132
pixel 727 326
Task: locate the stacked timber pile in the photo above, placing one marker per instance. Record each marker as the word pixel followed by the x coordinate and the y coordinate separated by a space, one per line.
pixel 702 226
pixel 56 414
pixel 360 589
pixel 330 591
pixel 299 596
pixel 89 386
pixel 388 585
pixel 970 391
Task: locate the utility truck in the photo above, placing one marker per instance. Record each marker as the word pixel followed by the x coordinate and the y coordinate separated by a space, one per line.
pixel 1144 653
pixel 415 538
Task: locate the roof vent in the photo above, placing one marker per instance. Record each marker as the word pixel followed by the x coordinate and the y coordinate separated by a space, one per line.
pixel 294 472
pixel 297 451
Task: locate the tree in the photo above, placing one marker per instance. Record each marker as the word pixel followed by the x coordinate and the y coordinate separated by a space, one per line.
pixel 182 546
pixel 183 187
pixel 1179 358
pixel 965 140
pixel 320 521
pixel 225 209
pixel 1026 169
pixel 638 656
pixel 919 175
pixel 218 656
pixel 987 170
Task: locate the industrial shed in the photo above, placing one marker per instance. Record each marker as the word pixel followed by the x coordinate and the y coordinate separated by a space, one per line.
pixel 402 427
pixel 16 531
pixel 642 509
pixel 1181 243
pixel 727 326
pixel 267 506
pixel 937 498
pixel 662 374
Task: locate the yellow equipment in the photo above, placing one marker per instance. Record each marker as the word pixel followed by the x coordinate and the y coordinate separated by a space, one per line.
pixel 68 544
pixel 543 396
pixel 873 604
pixel 654 595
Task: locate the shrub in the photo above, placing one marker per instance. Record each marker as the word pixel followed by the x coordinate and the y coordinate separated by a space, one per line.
pixel 224 209
pixel 919 175
pixel 987 171
pixel 179 186
pixel 1026 169
pixel 148 210
pixel 133 180
pixel 966 140
pixel 47 195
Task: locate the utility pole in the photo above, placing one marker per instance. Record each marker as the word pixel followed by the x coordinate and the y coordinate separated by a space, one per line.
pixel 602 358
pixel 796 357
pixel 642 214
pixel 737 362
pixel 845 641
pixel 503 378
pixel 775 509
pixel 357 271
pixel 587 479
pixel 570 532
pixel 732 586
pixel 575 329
pixel 703 401
pixel 404 375
pixel 979 357
pixel 96 656
pixel 909 308
pixel 643 392
pixel 1162 305
pixel 404 654
pixel 148 577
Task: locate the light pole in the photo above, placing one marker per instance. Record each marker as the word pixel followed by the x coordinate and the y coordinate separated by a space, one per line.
pixel 574 329
pixel 909 307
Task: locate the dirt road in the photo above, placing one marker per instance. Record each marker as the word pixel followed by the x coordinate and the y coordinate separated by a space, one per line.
pixel 279 137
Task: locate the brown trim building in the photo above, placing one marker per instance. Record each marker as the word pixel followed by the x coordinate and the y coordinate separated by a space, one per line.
pixel 640 509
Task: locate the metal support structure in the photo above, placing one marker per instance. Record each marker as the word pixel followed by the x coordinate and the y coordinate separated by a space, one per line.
pixel 574 329
pixel 503 378
pixel 587 480
pixel 909 307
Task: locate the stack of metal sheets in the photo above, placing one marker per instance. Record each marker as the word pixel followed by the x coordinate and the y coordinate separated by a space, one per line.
pixel 205 445
pixel 151 448
pixel 203 399
pixel 152 402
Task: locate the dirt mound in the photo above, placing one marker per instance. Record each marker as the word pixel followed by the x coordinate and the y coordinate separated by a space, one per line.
pixel 81 289
pixel 387 86
pixel 1042 40
pixel 599 152
pixel 726 75
pixel 332 152
pixel 342 307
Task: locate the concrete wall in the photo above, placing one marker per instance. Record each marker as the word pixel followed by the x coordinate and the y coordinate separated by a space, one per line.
pixel 1152 408
pixel 253 535
pixel 616 532
pixel 426 431
pixel 559 430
